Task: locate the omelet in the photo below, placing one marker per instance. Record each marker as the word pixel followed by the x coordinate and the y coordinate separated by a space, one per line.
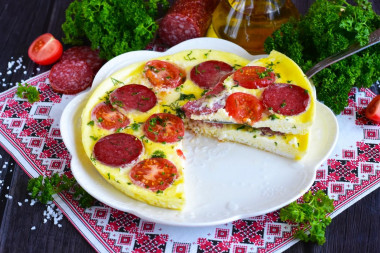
pixel 137 121
pixel 134 121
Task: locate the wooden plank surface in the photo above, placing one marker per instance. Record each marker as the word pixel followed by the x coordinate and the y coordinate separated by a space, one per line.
pixel 21 21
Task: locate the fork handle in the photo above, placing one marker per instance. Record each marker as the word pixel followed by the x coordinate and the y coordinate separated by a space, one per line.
pixel 374 38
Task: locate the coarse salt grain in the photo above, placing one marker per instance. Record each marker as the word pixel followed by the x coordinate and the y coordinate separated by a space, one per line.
pixel 19 203
pixel 33 228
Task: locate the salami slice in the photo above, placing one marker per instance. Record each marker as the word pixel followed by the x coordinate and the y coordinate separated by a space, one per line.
pixel 84 53
pixel 254 77
pixel 207 74
pixel 286 99
pixel 154 174
pixel 164 127
pixel 201 107
pixel 118 149
pixel 70 76
pixel 133 97
pixel 186 19
pixel 244 108
pixel 107 117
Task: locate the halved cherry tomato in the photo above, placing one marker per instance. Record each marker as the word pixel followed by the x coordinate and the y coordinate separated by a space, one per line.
pixel 244 108
pixel 107 117
pixel 253 77
pixel 163 75
pixel 154 174
pixel 45 50
pixel 164 127
pixel 372 111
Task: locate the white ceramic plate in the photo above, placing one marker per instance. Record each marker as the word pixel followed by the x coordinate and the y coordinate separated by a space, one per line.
pixel 224 181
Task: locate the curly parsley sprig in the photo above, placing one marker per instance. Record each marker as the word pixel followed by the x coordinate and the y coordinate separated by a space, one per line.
pixel 113 26
pixel 43 189
pixel 313 212
pixel 29 92
pixel 329 27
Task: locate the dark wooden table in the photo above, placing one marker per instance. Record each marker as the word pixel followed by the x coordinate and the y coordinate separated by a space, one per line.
pixel 21 21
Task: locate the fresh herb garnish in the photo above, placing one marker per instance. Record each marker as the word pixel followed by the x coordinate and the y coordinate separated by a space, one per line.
pixel 158 154
pixel 328 28
pixel 29 92
pixel 313 212
pixel 43 189
pixel 113 26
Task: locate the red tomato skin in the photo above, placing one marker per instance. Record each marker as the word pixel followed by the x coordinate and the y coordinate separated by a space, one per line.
pixel 249 77
pixel 45 50
pixel 164 75
pixel 244 107
pixel 154 174
pixel 164 127
pixel 372 111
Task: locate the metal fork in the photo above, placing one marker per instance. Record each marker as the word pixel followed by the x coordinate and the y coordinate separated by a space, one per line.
pixel 374 38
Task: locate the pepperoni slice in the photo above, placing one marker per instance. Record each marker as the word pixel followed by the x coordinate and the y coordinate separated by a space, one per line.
pixel 200 107
pixel 207 74
pixel 244 108
pixel 164 127
pixel 118 149
pixel 84 53
pixel 70 76
pixel 253 77
pixel 133 97
pixel 107 117
pixel 164 75
pixel 286 99
pixel 154 174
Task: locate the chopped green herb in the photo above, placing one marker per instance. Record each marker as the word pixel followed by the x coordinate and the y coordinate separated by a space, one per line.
pixel 188 57
pixel 273 116
pixel 93 137
pixel 29 92
pixel 90 123
pixel 43 189
pixel 116 82
pixel 158 154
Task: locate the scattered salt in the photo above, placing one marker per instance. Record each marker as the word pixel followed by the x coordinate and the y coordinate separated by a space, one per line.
pixel 59 225
pixel 8 196
pixel 38 69
pixel 9 72
pixel 26 200
pixel 19 203
pixel 33 228
pixel 32 202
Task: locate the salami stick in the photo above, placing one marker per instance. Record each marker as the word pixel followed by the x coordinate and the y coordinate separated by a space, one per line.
pixel 186 19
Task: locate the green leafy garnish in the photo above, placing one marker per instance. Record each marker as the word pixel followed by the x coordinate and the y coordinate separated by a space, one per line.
pixel 113 26
pixel 310 213
pixel 183 96
pixel 29 92
pixel 158 154
pixel 43 189
pixel 328 28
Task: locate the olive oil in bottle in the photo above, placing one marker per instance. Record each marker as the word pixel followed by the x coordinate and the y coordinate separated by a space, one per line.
pixel 249 22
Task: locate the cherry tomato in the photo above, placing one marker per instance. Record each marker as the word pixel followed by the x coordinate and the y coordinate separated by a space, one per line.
pixel 45 50
pixel 107 117
pixel 154 174
pixel 372 111
pixel 253 77
pixel 164 127
pixel 163 75
pixel 244 108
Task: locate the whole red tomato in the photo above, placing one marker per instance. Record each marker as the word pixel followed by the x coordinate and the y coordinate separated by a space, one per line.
pixel 372 111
